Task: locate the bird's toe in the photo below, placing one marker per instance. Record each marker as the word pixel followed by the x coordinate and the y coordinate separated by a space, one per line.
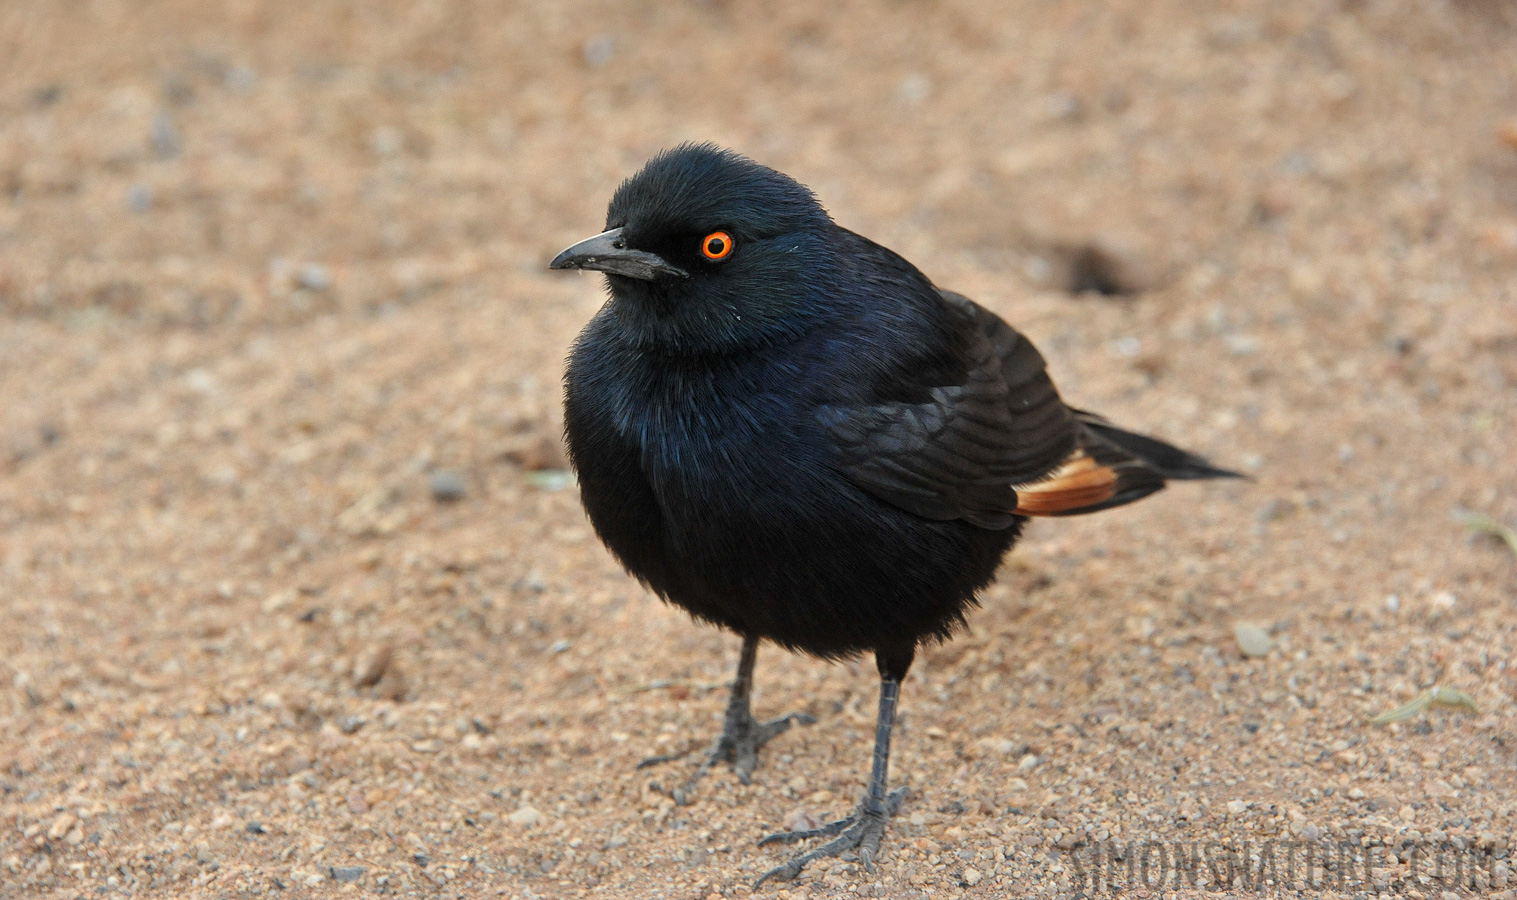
pixel 738 744
pixel 863 831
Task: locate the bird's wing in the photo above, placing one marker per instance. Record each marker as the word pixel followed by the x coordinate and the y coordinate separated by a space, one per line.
pixel 999 445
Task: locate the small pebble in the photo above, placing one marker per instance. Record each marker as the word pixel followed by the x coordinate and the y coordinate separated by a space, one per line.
pixel 972 876
pixel 165 136
pixel 62 825
pixel 447 487
pixel 1252 640
pixel 314 277
pixel 1274 511
pixel 598 50
pixel 551 479
pixel 369 671
pixel 1500 236
pixel 1237 807
pixel 526 817
pixel 240 79
pixel 1243 344
pixel 1507 132
pixel 914 89
pixel 1125 347
pixel 386 140
pixel 800 819
pixel 345 874
pixel 139 198
pixel 1060 106
pixel 1297 162
pixel 1273 202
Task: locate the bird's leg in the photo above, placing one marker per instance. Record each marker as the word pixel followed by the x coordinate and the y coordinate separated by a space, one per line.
pixel 864 829
pixel 742 735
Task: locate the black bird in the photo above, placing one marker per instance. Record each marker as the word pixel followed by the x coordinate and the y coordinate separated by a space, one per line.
pixel 789 431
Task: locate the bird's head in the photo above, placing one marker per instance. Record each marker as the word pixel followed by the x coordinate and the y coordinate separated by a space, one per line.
pixel 707 251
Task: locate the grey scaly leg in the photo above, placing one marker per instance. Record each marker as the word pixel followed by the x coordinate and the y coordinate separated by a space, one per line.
pixel 742 735
pixel 864 829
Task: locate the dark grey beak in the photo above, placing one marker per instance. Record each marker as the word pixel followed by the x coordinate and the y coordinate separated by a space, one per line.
pixel 607 252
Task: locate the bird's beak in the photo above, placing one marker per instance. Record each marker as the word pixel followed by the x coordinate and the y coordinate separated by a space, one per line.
pixel 607 252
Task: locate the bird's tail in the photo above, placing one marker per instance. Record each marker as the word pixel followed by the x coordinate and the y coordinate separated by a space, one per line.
pixel 1172 463
pixel 1110 467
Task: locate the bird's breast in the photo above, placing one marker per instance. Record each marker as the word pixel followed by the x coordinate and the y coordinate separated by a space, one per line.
pixel 701 436
pixel 717 445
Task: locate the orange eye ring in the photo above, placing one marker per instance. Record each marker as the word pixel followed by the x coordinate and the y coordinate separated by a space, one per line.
pixel 716 245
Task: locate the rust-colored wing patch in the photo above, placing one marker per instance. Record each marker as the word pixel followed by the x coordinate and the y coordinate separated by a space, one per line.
pixel 1076 486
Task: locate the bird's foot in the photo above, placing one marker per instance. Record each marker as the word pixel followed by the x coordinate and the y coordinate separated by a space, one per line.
pixel 739 743
pixel 862 831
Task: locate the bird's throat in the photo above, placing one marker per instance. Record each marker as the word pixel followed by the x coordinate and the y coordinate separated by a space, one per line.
pixel 660 318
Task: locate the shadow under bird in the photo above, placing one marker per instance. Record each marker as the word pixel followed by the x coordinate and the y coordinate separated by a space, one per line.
pixel 789 431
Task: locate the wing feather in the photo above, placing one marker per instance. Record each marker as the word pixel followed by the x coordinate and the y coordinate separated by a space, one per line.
pixel 957 455
pixel 1001 444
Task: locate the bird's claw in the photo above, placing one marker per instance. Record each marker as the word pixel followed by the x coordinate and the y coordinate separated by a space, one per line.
pixel 660 760
pixel 862 830
pixel 738 744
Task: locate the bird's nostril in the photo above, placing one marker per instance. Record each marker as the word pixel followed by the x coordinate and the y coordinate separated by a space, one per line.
pixel 620 245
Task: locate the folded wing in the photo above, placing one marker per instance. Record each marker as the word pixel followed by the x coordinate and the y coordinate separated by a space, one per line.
pixel 1000 445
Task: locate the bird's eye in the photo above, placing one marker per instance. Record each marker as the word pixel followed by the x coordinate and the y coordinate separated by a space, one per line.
pixel 716 245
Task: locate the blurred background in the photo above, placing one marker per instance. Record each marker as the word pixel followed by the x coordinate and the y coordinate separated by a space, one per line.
pixel 298 592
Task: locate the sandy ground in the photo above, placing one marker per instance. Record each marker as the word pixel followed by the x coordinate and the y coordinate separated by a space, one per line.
pixel 271 273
